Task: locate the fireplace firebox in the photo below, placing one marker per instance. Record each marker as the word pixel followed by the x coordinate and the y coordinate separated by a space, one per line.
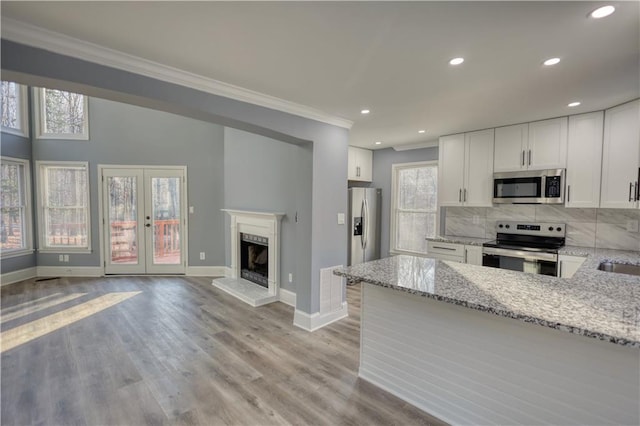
pixel 254 259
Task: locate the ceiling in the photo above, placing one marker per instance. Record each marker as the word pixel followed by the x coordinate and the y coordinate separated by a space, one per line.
pixel 389 57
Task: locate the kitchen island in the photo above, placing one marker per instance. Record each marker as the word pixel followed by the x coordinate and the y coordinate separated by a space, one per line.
pixel 477 345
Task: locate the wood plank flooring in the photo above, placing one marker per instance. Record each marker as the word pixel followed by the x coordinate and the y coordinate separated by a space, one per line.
pixel 175 350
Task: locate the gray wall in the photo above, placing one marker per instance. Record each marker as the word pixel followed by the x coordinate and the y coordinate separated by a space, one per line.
pixel 327 241
pixel 263 174
pixel 17 147
pixel 130 135
pixel 383 159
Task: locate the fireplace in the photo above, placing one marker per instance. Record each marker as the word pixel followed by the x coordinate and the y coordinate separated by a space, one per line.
pixel 254 259
pixel 254 275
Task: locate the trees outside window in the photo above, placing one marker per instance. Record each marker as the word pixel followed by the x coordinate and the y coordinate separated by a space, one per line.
pixel 64 202
pixel 62 115
pixel 15 212
pixel 414 209
pixel 13 101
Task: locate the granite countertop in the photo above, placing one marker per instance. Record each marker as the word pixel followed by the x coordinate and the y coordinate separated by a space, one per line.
pixel 470 241
pixel 593 303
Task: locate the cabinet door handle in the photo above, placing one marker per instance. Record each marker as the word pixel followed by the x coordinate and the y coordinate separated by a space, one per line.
pixel 630 189
pixel 636 191
pixel 460 195
pixel 523 157
pixel 568 193
pixel 560 269
pixel 444 248
pixel 529 157
pixel 465 195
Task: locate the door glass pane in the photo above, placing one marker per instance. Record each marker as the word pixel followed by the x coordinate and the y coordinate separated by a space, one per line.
pixel 165 195
pixel 123 220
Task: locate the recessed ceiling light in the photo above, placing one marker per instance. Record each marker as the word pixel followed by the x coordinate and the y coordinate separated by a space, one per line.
pixel 573 104
pixel 456 61
pixel 365 111
pixel 378 143
pixel 603 11
pixel 421 131
pixel 551 61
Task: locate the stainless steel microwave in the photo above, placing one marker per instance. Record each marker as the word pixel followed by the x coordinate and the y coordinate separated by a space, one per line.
pixel 529 187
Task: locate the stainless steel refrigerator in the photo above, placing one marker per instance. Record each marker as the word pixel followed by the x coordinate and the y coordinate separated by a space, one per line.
pixel 364 224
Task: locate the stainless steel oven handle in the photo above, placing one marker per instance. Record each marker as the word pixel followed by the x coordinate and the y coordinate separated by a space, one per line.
pixel 520 254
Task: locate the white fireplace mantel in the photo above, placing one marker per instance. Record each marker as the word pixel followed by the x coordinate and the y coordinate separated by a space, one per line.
pixel 264 224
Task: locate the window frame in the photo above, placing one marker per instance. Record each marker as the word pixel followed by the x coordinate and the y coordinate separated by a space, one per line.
pixel 395 168
pixel 42 238
pixel 23 113
pixel 28 217
pixel 39 117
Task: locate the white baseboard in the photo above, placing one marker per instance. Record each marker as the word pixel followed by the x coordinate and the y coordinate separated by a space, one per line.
pixel 16 276
pixel 313 322
pixel 69 271
pixel 288 297
pixel 207 271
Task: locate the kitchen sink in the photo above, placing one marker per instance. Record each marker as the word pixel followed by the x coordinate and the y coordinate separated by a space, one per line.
pixel 620 268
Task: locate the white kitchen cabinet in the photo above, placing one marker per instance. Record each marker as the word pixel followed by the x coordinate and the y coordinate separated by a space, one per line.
pixel 465 169
pixel 531 146
pixel 568 265
pixel 621 157
pixel 473 255
pixel 547 144
pixel 446 251
pixel 511 144
pixel 360 164
pixel 584 156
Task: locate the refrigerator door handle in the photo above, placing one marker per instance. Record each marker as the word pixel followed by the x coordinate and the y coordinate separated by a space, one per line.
pixel 365 219
pixel 362 224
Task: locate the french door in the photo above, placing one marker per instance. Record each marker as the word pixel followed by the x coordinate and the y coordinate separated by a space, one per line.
pixel 143 211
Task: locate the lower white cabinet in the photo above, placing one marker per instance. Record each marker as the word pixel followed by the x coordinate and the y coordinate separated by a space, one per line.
pixel 473 255
pixel 568 265
pixel 455 252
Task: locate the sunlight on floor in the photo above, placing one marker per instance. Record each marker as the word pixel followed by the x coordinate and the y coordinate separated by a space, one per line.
pixel 25 333
pixel 39 307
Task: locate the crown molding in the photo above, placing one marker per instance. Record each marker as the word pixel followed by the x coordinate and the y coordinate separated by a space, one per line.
pixel 428 144
pixel 31 35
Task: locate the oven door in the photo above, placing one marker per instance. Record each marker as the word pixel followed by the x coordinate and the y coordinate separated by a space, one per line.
pixel 521 260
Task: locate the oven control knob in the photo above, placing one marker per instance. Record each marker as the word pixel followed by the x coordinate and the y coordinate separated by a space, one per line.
pixel 507 226
pixel 551 228
pixel 558 229
pixel 500 226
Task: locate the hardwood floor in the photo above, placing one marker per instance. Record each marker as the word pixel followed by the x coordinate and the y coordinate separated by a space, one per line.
pixel 175 350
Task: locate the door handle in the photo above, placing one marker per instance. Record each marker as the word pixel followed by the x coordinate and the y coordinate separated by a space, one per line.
pixel 568 193
pixel 637 196
pixel 529 157
pixel 362 224
pixel 365 220
pixel 523 157
pixel 465 195
pixel 148 225
pixel 460 196
pixel 630 189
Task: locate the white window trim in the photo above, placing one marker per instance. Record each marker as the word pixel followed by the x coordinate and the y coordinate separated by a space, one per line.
pixel 394 204
pixel 38 112
pixel 28 217
pixel 23 115
pixel 40 204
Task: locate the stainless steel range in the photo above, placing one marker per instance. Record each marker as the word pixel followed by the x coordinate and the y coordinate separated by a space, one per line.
pixel 525 247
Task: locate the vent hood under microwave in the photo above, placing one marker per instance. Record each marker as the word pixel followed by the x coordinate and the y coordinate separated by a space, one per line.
pixel 529 187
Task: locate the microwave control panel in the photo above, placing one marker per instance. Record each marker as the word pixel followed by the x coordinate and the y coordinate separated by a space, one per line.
pixel 552 187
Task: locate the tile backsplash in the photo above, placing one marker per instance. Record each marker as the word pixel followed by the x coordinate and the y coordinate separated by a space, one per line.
pixel 600 228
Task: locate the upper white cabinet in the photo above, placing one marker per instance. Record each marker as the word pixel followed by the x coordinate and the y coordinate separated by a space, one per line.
pixel 584 155
pixel 511 146
pixel 621 157
pixel 360 164
pixel 533 146
pixel 465 169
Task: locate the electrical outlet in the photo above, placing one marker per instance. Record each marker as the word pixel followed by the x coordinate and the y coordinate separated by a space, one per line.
pixel 290 277
pixel 202 256
pixel 632 225
pixel 340 218
pixel 66 258
pixel 191 209
pixel 61 258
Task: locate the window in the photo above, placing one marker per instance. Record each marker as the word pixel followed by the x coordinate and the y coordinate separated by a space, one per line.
pixel 61 115
pixel 64 206
pixel 15 226
pixel 414 209
pixel 14 108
